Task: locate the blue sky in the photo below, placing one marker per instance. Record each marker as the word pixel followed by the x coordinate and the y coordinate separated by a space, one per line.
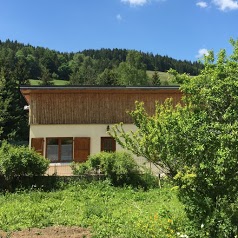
pixel 182 29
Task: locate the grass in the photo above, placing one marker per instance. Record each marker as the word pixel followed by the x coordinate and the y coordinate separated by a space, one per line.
pixel 59 82
pixel 164 77
pixel 108 211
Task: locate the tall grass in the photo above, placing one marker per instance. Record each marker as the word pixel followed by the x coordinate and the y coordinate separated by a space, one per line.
pixel 107 210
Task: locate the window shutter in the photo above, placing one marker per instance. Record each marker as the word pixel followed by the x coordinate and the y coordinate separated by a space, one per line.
pixel 38 145
pixel 81 149
pixel 108 144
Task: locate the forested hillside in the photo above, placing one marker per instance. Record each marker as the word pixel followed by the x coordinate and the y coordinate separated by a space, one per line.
pixel 19 63
pixel 90 67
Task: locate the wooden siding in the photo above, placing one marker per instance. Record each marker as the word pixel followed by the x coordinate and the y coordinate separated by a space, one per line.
pixel 93 107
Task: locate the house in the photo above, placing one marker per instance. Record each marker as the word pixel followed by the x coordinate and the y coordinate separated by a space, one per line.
pixel 71 122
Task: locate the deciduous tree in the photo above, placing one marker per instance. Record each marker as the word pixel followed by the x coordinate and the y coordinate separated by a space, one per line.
pixel 200 139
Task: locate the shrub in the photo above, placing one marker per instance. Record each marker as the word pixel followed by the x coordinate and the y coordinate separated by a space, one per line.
pixel 16 161
pixel 119 167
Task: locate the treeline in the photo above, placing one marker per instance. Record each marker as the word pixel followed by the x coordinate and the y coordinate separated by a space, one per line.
pixel 89 67
pixel 152 62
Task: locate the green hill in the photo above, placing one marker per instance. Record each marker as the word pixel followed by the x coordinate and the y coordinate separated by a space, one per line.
pixel 164 77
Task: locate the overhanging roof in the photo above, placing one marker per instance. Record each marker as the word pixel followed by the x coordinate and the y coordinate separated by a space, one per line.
pixel 28 90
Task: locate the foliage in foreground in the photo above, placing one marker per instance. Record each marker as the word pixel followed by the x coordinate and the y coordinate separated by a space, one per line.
pixel 156 137
pixel 16 161
pixel 108 211
pixel 118 167
pixel 198 141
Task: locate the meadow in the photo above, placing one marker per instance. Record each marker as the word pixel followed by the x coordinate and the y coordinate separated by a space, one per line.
pixel 59 82
pixel 106 210
pixel 164 77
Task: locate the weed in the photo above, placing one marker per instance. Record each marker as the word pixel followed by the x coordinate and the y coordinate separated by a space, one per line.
pixel 109 211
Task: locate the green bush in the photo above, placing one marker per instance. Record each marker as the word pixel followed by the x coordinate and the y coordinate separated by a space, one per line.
pixel 17 161
pixel 119 167
pixel 207 220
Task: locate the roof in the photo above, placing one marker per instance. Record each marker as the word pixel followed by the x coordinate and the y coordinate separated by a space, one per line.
pixel 97 87
pixel 28 90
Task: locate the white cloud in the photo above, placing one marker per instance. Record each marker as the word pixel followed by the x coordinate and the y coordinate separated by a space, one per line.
pixel 202 4
pixel 140 2
pixel 226 5
pixel 201 53
pixel 136 2
pixel 119 17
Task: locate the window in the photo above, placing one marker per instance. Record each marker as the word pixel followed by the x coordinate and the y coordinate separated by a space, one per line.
pixel 108 144
pixel 59 149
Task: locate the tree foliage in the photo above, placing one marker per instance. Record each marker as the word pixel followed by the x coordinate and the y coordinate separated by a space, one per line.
pixel 157 137
pixel 13 119
pixel 156 79
pixel 132 72
pixel 31 62
pixel 198 141
pixel 46 79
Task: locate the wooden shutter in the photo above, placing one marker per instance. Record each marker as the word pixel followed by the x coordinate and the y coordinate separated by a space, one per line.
pixel 81 149
pixel 38 145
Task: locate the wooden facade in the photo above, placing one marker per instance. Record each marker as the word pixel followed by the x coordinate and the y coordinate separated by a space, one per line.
pixel 70 123
pixel 91 105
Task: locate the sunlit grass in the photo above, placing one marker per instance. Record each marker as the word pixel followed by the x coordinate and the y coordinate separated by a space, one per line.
pixel 165 78
pixel 57 82
pixel 108 211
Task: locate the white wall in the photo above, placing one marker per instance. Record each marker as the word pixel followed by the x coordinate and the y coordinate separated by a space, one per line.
pixel 94 131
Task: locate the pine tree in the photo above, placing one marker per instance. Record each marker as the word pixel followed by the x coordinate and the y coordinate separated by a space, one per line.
pixel 45 78
pixel 156 79
pixel 13 119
